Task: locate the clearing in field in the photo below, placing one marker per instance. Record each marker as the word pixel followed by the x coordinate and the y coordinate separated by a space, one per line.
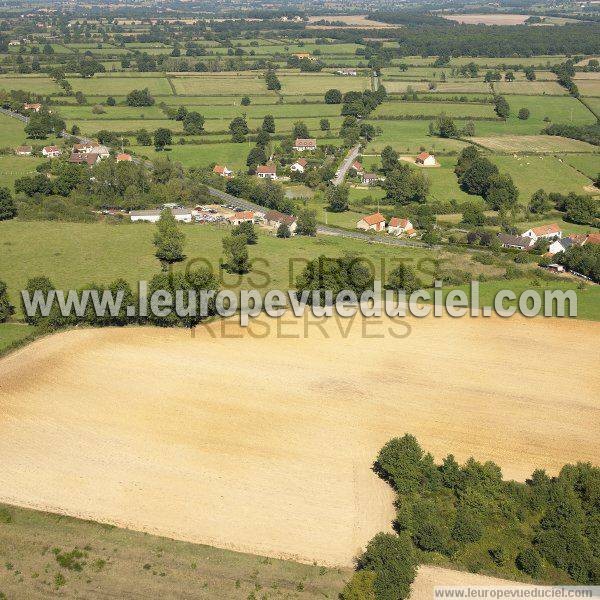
pixel 532 144
pixel 264 442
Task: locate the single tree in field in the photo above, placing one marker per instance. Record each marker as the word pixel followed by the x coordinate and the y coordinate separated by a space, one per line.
pixel 389 159
pixel 540 202
pixel 324 125
pixel 300 130
pixel 333 96
pixel 8 210
pixel 239 129
pixel 162 138
pixel 246 231
pixel 523 114
pixel 268 124
pixel 337 198
pixel 168 239
pixel 283 231
pixel 404 278
pixel 307 222
pixel 6 308
pixel 236 254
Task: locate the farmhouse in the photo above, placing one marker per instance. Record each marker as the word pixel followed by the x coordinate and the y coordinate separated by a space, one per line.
pixel 274 219
pixel 266 172
pixel 299 166
pixel 90 158
pixel 87 147
pixel 357 168
pixel 426 159
pixel 51 151
pixel 347 72
pixel 24 151
pixel 398 226
pixel 302 144
pixel 544 231
pixel 222 170
pixel 514 241
pixel 561 245
pixel 35 106
pixel 123 157
pixel 182 215
pixel 375 222
pixel 241 217
pixel 370 178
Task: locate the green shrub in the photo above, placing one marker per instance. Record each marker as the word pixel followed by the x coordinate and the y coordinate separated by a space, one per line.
pixel 529 561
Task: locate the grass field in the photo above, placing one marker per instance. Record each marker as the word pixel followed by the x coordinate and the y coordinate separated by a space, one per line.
pixel 534 144
pixel 589 87
pixel 536 88
pixel 458 109
pixel 120 86
pixel 29 83
pixel 319 84
pixel 586 163
pixel 13 167
pixel 246 83
pixel 531 173
pixel 12 334
pixel 116 558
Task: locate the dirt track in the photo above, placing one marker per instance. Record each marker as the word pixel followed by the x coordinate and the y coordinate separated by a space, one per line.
pixel 265 445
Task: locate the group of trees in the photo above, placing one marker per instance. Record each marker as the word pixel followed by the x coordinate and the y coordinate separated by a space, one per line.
pixel 43 124
pixel 361 104
pixel 140 98
pixel 548 524
pixel 582 259
pixel 192 121
pixel 402 184
pixel 8 210
pixel 477 175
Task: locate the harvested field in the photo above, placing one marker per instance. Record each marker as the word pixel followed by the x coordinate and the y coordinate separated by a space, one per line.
pixel 488 19
pixel 265 444
pixel 350 22
pixel 535 88
pixel 534 144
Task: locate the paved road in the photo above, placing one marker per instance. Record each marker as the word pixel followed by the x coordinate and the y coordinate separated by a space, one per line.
pixel 350 158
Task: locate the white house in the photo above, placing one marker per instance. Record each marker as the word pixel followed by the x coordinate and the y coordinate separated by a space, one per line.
pixel 548 232
pixel 398 226
pixel 299 166
pixel 375 222
pixel 561 245
pixel 274 219
pixel 51 151
pixel 241 217
pixel 302 144
pixel 426 159
pixel 222 170
pixel 24 151
pixel 182 215
pixel 347 72
pixel 266 172
pixel 517 242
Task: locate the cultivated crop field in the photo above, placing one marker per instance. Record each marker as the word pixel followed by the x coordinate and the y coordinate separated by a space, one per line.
pixel 274 457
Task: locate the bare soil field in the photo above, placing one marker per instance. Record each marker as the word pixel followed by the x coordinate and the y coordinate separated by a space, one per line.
pixel 488 19
pixel 535 144
pixel 350 22
pixel 262 439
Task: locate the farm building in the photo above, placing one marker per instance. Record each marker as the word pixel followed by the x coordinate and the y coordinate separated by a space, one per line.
pixel 347 72
pixel 274 219
pixel 89 158
pixel 24 151
pixel 222 170
pixel 302 144
pixel 561 245
pixel 544 231
pixel 299 166
pixel 426 159
pixel 241 217
pixel 183 215
pixel 267 172
pixel 124 157
pixel 517 242
pixel 375 222
pixel 398 226
pixel 51 151
pixel 369 178
pixel 357 168
pixel 35 106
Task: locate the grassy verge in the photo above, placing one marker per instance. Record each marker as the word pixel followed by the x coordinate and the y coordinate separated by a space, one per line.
pixel 46 555
pixel 14 335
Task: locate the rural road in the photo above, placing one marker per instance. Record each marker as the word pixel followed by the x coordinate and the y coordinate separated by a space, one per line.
pixel 350 158
pixel 247 205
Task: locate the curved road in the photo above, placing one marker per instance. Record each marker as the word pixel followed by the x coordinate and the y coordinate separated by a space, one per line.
pixel 346 164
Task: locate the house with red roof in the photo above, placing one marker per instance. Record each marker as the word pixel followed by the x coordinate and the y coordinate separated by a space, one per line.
pixel 124 157
pixel 302 144
pixel 267 171
pixel 426 159
pixel 241 217
pixel 222 170
pixel 398 226
pixel 357 168
pixel 592 238
pixel 299 166
pixel 51 151
pixel 374 222
pixel 275 219
pixel 24 151
pixel 548 232
pixel 34 106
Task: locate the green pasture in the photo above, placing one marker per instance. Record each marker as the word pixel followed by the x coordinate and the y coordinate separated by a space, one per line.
pixel 13 167
pixel 223 84
pixel 458 109
pixel 310 83
pixel 120 86
pixel 533 88
pixel 37 84
pixel 588 164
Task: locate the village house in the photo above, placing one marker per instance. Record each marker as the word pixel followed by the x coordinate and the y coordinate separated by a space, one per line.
pixel 90 158
pixel 222 170
pixel 183 215
pixel 241 217
pixel 275 219
pixel 347 72
pixel 517 242
pixel 124 157
pixel 35 106
pixel 398 226
pixel 299 166
pixel 357 168
pixel 369 178
pixel 51 151
pixel 547 232
pixel 266 172
pixel 561 245
pixel 302 144
pixel 426 159
pixel 375 222
pixel 24 151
